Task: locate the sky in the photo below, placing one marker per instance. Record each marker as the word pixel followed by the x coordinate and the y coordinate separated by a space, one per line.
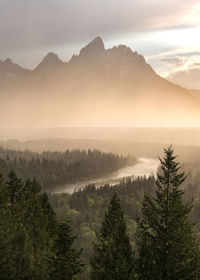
pixel 166 32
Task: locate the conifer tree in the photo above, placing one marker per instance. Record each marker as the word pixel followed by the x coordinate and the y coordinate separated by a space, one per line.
pixel 65 263
pixel 166 242
pixel 41 225
pixel 27 230
pixel 15 257
pixel 112 257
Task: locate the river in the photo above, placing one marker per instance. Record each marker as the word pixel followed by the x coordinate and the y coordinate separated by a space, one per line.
pixel 145 167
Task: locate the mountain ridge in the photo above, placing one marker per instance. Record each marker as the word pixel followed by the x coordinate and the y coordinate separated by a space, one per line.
pixel 95 46
pixel 115 85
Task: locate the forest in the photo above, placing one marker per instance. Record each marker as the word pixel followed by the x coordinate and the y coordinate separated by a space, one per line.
pixel 54 169
pixel 145 228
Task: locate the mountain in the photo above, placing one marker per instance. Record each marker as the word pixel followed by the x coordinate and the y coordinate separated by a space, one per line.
pixel 8 68
pixel 97 87
pixel 50 62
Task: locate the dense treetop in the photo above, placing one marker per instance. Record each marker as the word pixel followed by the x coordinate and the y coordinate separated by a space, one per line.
pixel 30 229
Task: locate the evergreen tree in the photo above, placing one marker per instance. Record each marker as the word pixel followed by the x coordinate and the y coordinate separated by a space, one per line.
pixel 166 243
pixel 112 257
pixel 65 263
pixel 27 230
pixel 15 258
pixel 41 225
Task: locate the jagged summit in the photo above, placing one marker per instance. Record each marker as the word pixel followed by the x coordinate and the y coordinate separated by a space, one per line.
pixel 50 60
pixel 96 57
pixel 97 42
pixel 9 68
pixel 94 47
pixel 99 85
pixel 8 62
pixel 124 48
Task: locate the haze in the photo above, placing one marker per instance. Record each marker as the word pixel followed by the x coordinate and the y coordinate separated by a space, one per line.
pixel 114 79
pixel 165 35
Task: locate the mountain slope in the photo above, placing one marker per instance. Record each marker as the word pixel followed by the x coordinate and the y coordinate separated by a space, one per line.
pixel 97 87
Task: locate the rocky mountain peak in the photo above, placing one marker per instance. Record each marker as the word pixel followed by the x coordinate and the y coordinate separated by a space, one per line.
pixel 7 67
pixel 49 61
pixel 124 49
pixel 93 48
pixel 8 62
pixel 51 58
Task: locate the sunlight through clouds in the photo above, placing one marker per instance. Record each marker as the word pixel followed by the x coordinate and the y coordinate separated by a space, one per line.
pixel 154 28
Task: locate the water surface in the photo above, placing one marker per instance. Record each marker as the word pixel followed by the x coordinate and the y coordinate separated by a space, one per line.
pixel 145 167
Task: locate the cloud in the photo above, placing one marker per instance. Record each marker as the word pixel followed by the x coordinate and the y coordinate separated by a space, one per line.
pixel 174 61
pixel 196 64
pixel 185 54
pixel 40 23
pixel 189 79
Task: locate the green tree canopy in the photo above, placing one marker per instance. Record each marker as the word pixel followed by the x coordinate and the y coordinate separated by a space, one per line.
pixel 112 257
pixel 66 263
pixel 166 243
pixel 27 230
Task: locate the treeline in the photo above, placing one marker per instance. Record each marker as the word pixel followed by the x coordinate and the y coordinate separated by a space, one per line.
pixel 139 229
pixel 192 170
pixel 166 244
pixel 33 245
pixel 54 169
pixel 87 208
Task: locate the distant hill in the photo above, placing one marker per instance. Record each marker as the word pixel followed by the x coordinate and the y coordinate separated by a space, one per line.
pixel 97 87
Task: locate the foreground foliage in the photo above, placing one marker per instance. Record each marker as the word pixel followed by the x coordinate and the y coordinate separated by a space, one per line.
pixel 112 257
pixel 37 244
pixel 30 235
pixel 87 207
pixel 166 243
pixel 65 262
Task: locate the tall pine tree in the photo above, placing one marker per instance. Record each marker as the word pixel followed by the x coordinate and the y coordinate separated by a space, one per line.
pixel 112 257
pixel 166 243
pixel 65 263
pixel 27 230
pixel 15 257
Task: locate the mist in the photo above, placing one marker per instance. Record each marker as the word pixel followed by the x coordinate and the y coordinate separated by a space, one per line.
pixel 98 87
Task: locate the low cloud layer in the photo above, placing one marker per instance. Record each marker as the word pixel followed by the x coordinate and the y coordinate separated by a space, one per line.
pixel 188 78
pixel 174 61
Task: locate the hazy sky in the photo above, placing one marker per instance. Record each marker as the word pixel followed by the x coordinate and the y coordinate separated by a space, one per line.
pixel 166 32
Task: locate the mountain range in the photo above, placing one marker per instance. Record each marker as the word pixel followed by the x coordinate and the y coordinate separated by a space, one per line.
pixel 109 87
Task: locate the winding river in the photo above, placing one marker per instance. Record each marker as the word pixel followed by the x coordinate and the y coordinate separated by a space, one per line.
pixel 145 167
